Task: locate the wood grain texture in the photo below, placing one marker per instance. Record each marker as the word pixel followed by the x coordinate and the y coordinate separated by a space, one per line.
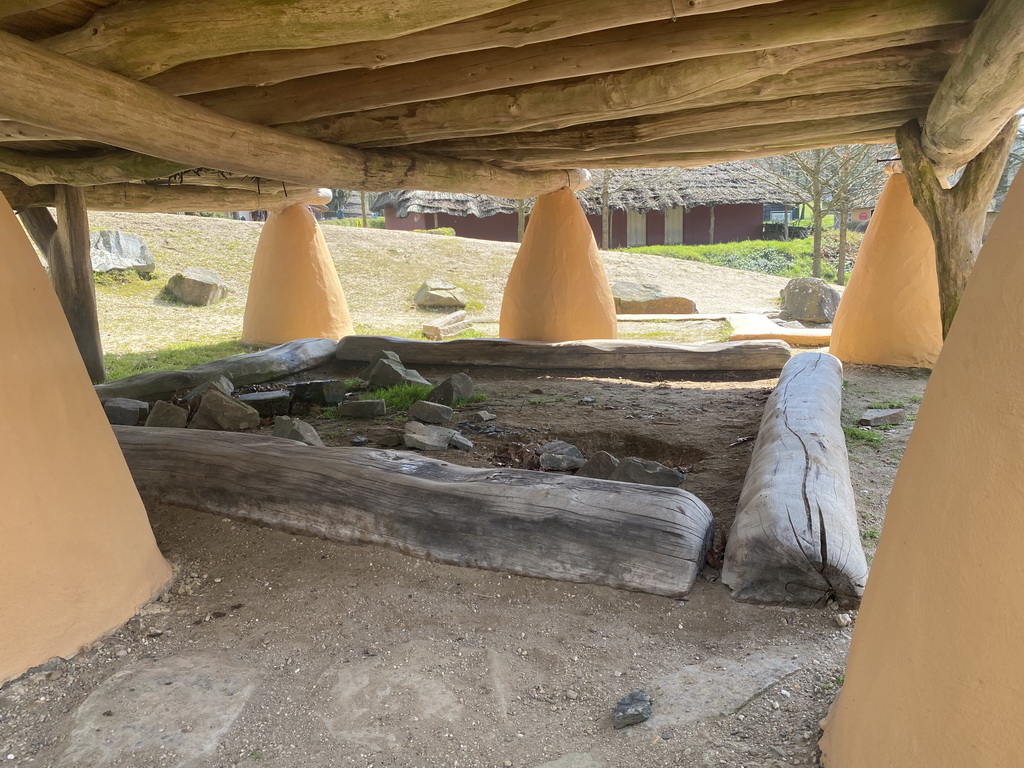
pixel 242 370
pixel 590 355
pixel 621 535
pixel 795 537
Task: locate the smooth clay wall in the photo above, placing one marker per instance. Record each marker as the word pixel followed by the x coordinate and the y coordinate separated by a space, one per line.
pixel 77 555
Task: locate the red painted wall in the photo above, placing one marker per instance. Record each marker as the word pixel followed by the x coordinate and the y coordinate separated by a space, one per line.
pixel 503 227
pixel 732 223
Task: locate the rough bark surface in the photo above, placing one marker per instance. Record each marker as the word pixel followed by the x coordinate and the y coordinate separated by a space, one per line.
pixel 795 537
pixel 621 535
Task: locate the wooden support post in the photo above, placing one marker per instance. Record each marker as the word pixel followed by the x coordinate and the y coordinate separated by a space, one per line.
pixel 711 226
pixel 41 227
pixel 956 216
pixel 71 275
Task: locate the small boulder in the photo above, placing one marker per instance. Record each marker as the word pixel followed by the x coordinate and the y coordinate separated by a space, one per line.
pixel 321 391
pixel 165 414
pixel 362 409
pixel 633 708
pixel 430 413
pixel 222 384
pixel 880 417
pixel 427 437
pixel 482 416
pixel 455 388
pixel 601 466
pixel 637 470
pixel 460 442
pixel 391 440
pixel 218 411
pixel 558 454
pixel 388 373
pixel 439 293
pixel 274 403
pixel 197 286
pixel 125 411
pixel 296 429
pixel 384 354
pixel 110 249
pixel 809 299
pixel 647 299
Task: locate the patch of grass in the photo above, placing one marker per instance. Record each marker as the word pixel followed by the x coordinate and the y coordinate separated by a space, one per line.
pixel 538 401
pixel 329 412
pixel 399 397
pixel 871 535
pixel 172 358
pixel 916 398
pixel 476 397
pixel 118 277
pixel 858 435
pixel 353 384
pixel 888 404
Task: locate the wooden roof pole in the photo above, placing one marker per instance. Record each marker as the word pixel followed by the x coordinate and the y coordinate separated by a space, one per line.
pixel 44 88
pixel 982 90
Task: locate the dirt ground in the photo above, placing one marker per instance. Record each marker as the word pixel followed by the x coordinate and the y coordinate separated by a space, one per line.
pixel 293 651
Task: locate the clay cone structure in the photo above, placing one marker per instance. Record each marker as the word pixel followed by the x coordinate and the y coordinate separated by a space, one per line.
pixel 889 314
pixel 934 675
pixel 557 289
pixel 79 556
pixel 294 291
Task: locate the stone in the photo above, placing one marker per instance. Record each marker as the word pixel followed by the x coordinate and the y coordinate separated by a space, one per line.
pixel 561 448
pixel 316 391
pixel 843 619
pixel 273 403
pixel 633 708
pixel 427 437
pixel 125 411
pixel 221 383
pixel 558 461
pixel 482 416
pixel 439 293
pixel 880 417
pixel 296 429
pixel 430 413
pixel 362 409
pixel 389 373
pixel 647 299
pixel 110 249
pixel 809 299
pixel 391 440
pixel 637 470
pixel 218 411
pixel 360 440
pixel 197 286
pixel 601 466
pixel 384 354
pixel 165 414
pixel 455 388
pixel 460 442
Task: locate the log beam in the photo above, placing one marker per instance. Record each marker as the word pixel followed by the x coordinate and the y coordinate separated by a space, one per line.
pixel 44 88
pixel 140 39
pixel 956 217
pixel 70 261
pixel 41 227
pixel 106 168
pixel 794 22
pixel 982 90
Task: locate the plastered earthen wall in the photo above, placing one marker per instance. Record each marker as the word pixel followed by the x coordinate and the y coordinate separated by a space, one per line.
pixel 889 314
pixel 77 555
pixel 294 291
pixel 934 676
pixel 557 289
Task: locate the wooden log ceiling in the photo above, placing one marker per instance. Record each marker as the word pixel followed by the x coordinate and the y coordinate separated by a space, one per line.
pixel 488 96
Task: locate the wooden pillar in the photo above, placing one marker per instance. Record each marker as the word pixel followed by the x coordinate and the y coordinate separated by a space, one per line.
pixel 40 226
pixel 956 217
pixel 711 226
pixel 71 275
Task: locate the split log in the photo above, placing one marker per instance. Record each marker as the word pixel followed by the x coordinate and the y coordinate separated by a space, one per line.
pixel 588 355
pixel 749 326
pixel 242 370
pixel 621 535
pixel 795 537
pixel 447 326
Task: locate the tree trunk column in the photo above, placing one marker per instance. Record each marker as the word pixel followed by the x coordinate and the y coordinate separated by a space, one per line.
pixel 71 275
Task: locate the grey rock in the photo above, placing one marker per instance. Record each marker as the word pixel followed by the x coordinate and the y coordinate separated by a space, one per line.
pixel 388 373
pixel 362 409
pixel 360 440
pixel 482 416
pixel 601 465
pixel 274 403
pixel 197 286
pixel 430 413
pixel 321 391
pixel 165 414
pixel 809 299
pixel 439 293
pixel 561 448
pixel 384 354
pixel 637 470
pixel 879 417
pixel 125 411
pixel 112 249
pixel 558 461
pixel 392 440
pixel 460 442
pixel 334 392
pixel 296 429
pixel 457 387
pixel 633 708
pixel 427 437
pixel 220 383
pixel 218 411
pixel 647 299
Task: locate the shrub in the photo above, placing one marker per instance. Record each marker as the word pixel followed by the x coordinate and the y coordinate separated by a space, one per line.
pixel 446 231
pixel 376 222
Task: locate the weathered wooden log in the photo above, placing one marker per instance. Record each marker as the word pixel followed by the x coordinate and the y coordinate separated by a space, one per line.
pixel 243 370
pixel 795 537
pixel 592 355
pixel 621 535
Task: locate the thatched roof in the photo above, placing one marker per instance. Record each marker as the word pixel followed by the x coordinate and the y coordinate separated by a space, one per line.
pixel 631 189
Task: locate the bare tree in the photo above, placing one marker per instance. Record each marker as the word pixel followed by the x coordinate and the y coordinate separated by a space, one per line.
pixel 857 182
pixel 611 183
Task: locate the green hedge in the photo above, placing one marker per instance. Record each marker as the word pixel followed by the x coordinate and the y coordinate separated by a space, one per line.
pixel 356 221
